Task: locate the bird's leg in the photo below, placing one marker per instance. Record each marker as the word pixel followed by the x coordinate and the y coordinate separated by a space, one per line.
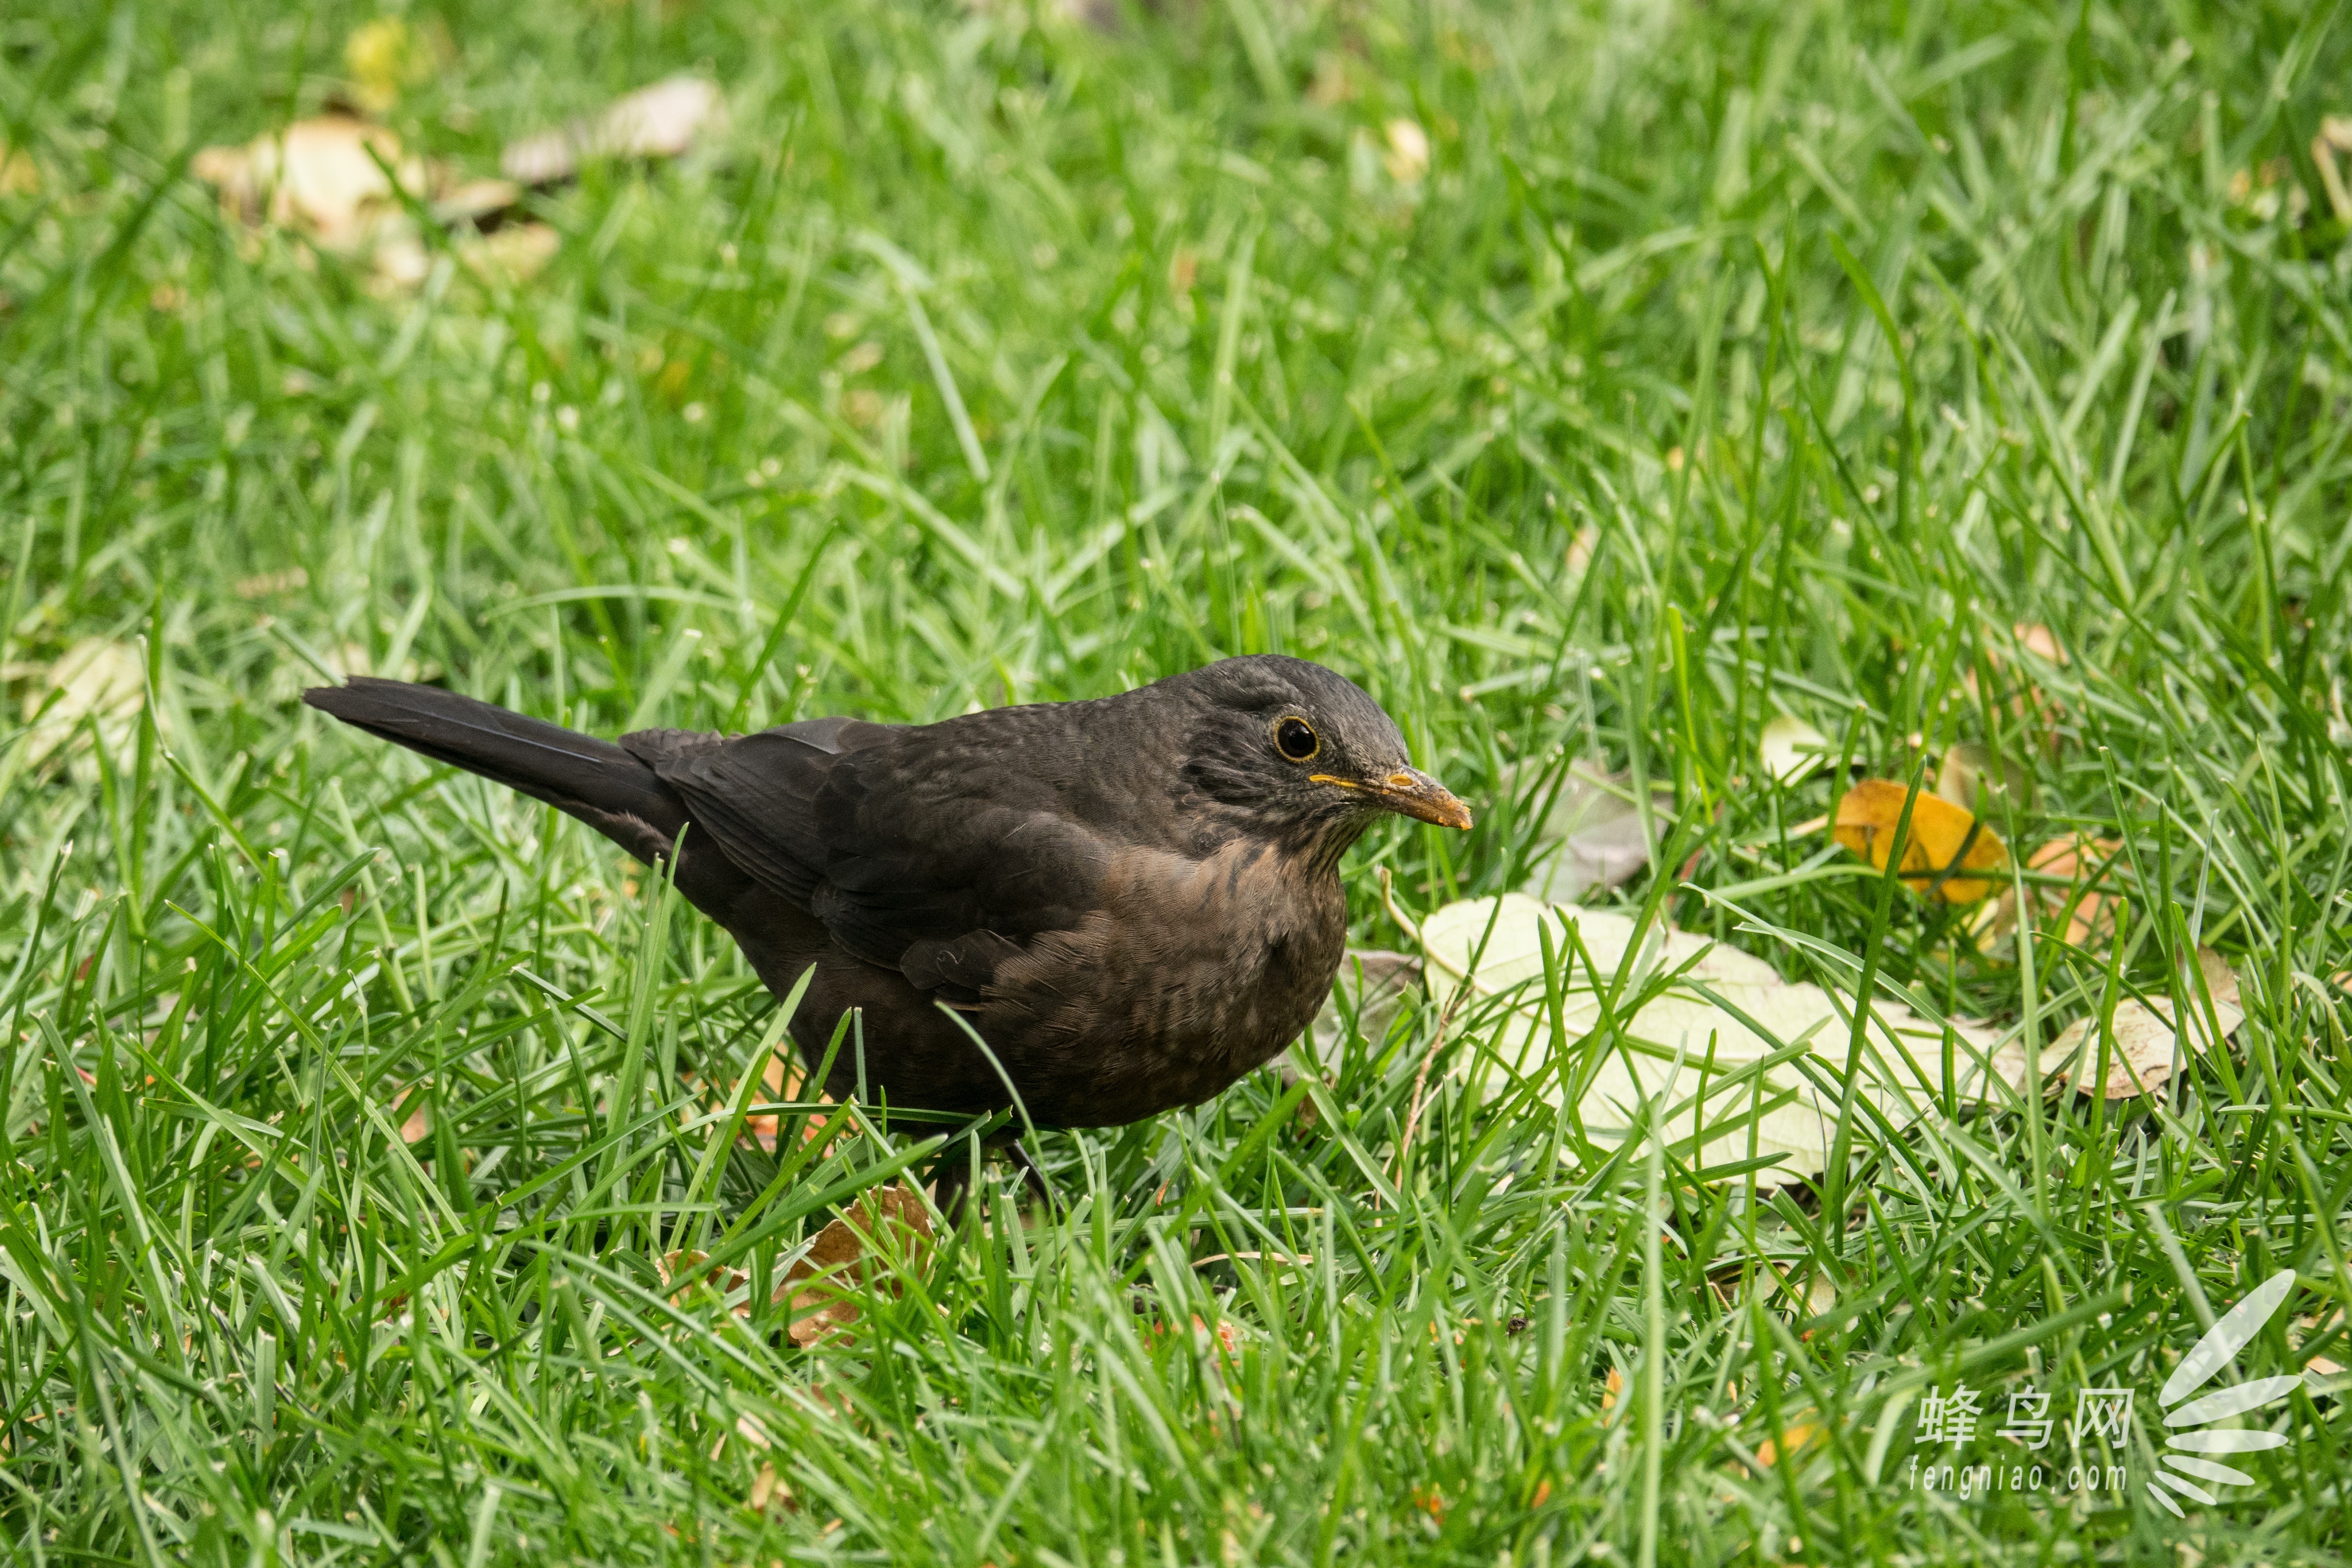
pixel 953 1176
pixel 1035 1177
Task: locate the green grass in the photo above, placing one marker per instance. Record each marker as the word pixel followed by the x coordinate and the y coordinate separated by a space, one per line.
pixel 1728 360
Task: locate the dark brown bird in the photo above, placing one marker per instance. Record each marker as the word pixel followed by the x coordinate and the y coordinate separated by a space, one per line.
pixel 1133 901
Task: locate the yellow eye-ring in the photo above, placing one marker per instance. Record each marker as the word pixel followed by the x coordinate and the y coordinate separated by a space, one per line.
pixel 1295 739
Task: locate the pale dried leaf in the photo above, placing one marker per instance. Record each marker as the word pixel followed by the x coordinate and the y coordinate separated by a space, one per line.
pixel 2144 1049
pixel 19 175
pixel 1376 983
pixel 1597 826
pixel 767 1487
pixel 512 253
pixel 664 120
pixel 1789 748
pixel 96 680
pixel 474 200
pixel 1408 154
pixel 1975 779
pixel 318 177
pixel 1683 1039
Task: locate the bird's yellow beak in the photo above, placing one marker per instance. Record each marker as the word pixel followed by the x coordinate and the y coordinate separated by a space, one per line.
pixel 1408 792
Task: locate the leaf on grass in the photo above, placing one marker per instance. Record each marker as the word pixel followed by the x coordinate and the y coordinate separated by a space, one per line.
pixel 856 1250
pixel 1790 748
pixel 1798 1436
pixel 664 120
pixel 512 253
pixel 1376 984
pixel 96 680
pixel 1945 840
pixel 2079 860
pixel 1597 828
pixel 1977 780
pixel 2144 1048
pixel 768 1488
pixel 19 175
pixel 319 178
pixel 1682 1043
pixel 2037 641
pixel 1408 154
pixel 885 1225
pixel 474 201
pixel 386 56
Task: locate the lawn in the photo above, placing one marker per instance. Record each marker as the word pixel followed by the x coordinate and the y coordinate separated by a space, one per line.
pixel 1595 384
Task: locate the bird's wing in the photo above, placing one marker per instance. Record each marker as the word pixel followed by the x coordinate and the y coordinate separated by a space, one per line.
pixel 936 859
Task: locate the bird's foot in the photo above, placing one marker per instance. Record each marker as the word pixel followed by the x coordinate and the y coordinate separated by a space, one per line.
pixel 1035 1177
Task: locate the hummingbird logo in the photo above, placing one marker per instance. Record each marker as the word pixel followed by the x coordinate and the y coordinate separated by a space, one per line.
pixel 2194 1438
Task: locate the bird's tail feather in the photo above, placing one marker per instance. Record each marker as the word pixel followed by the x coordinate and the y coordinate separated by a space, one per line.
pixel 594 780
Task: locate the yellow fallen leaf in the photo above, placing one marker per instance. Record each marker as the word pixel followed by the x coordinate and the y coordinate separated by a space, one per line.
pixel 385 57
pixel 1798 1437
pixel 1944 840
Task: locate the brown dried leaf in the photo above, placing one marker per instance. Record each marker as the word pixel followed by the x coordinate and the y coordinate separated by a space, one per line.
pixel 890 1221
pixel 2080 858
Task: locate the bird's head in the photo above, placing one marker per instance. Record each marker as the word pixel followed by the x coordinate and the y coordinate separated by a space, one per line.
pixel 1302 754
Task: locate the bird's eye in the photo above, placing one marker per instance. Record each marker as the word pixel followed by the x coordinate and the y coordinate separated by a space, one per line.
pixel 1297 740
